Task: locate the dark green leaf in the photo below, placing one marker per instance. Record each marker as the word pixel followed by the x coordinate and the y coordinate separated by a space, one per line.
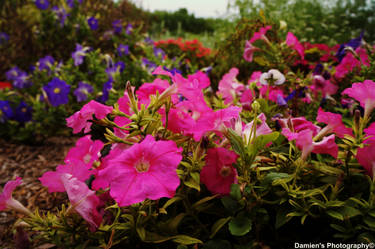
pixel 240 225
pixel 235 191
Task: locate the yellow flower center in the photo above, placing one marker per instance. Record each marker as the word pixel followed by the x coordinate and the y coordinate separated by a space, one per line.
pixel 142 166
pixel 225 171
pixel 57 90
pixel 24 109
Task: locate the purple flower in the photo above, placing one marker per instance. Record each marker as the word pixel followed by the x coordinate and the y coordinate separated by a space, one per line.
pixel 149 41
pixel 148 64
pixel 354 43
pixel 83 91
pixel 123 50
pixel 173 70
pixel 71 3
pixel 57 91
pixel 42 4
pixel 23 112
pixel 105 92
pixel 158 52
pixel 117 26
pixel 115 69
pixel 79 54
pixel 129 29
pixel 46 63
pixel 61 14
pixel 6 111
pixel 93 23
pixel 19 78
pixel 281 101
pixel 4 38
pixel 13 73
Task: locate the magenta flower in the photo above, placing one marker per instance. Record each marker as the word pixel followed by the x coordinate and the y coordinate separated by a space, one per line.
pixel 76 168
pixel 249 50
pixel 6 199
pixel 229 87
pixel 219 174
pixel 327 145
pixel 83 200
pixel 292 41
pixel 334 124
pixel 147 89
pixel 85 150
pixel 349 63
pixel 364 93
pixel 78 120
pixel 261 129
pixel 145 170
pixel 292 126
pixel 200 79
pixel 323 85
pixel 366 157
pixel 260 35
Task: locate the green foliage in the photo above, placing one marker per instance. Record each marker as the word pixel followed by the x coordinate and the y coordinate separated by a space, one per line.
pixel 315 21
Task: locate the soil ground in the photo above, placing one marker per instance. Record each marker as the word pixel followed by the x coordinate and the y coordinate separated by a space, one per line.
pixel 29 162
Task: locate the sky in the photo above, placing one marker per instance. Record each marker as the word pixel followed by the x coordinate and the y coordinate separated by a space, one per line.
pixel 200 8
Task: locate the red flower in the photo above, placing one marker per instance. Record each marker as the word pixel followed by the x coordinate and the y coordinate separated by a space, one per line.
pixel 4 85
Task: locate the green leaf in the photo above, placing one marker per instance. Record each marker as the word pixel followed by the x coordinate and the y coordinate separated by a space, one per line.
pixel 335 214
pixel 218 225
pixel 282 218
pixel 202 201
pixel 237 143
pixel 193 181
pixel 261 141
pixel 272 176
pixel 168 203
pixel 369 221
pixel 186 240
pixel 217 244
pixel 235 191
pixel 141 233
pixel 230 205
pixel 240 225
pixel 349 212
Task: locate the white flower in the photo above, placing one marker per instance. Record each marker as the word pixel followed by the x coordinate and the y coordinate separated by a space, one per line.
pixel 272 76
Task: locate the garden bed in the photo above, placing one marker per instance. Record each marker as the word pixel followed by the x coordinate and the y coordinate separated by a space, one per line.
pixel 30 162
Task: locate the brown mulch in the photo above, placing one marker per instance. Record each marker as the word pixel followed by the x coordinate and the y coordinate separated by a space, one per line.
pixel 30 162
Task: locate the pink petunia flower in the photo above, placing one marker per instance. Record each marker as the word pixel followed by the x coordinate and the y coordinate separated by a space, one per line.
pixel 323 85
pixel 82 199
pixel 78 120
pixel 327 145
pixel 229 87
pixel 219 174
pixel 200 79
pixel 349 63
pixel 76 168
pixel 364 93
pixel 145 170
pixel 366 157
pixel 249 50
pixel 292 41
pixel 334 124
pixel 147 89
pixel 261 129
pixel 261 34
pixel 292 126
pixel 85 150
pixel 7 201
